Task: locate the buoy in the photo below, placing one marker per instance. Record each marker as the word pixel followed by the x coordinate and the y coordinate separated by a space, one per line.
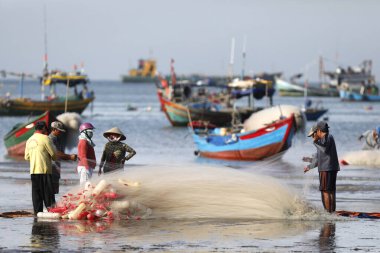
pixel 74 214
pixel 48 215
pixel 100 187
pixel 120 205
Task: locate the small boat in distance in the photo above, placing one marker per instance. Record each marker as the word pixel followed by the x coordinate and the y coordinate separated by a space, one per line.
pixel 355 83
pixel 291 89
pixel 144 73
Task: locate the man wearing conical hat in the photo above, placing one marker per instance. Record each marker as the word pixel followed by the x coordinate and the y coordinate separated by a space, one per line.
pixel 113 157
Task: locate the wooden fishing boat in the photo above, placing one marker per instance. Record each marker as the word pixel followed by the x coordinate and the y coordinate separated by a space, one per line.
pixel 185 101
pixel 16 138
pixel 234 144
pixel 25 106
pixel 180 114
pixel 76 102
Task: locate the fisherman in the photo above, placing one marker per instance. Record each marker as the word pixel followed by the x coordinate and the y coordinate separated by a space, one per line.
pixel 113 157
pixel 326 159
pixel 86 153
pixel 57 136
pixel 40 152
pixel 372 140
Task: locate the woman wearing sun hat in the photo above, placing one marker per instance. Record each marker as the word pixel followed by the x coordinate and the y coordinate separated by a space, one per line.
pixel 114 153
pixel 372 140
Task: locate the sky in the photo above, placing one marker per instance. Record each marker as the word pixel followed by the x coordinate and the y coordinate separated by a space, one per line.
pixel 109 37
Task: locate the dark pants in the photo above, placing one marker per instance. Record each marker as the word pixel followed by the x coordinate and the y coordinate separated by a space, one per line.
pixel 42 191
pixel 56 175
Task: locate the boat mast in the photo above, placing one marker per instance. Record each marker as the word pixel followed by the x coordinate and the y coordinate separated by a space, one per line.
pixel 45 72
pixel 244 54
pixel 232 56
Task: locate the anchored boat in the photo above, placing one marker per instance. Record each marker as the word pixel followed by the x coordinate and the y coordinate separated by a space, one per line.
pixel 76 102
pixel 16 138
pixel 235 144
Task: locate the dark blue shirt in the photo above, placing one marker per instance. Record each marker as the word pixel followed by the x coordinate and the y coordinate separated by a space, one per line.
pixel 327 157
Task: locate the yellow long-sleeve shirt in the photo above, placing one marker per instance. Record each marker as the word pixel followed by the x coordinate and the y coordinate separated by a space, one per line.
pixel 40 151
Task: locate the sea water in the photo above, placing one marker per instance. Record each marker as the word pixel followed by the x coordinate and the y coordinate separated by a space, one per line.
pixel 201 205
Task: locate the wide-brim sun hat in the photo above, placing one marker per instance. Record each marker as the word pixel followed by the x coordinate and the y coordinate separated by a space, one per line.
pixel 115 130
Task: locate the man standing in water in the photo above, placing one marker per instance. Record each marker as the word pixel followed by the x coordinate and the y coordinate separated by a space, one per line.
pixel 327 161
pixel 40 152
pixel 57 137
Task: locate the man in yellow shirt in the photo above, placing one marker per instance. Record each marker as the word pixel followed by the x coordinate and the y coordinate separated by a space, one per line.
pixel 40 152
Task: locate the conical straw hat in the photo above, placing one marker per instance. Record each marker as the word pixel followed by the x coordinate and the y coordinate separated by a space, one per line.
pixel 115 130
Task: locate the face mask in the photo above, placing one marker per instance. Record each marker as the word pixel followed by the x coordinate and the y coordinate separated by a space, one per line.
pixel 89 133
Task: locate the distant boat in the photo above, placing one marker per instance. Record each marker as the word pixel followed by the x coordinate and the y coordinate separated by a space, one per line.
pixel 286 88
pixel 144 73
pixel 233 144
pixel 355 83
pixel 356 96
pixel 181 104
pixel 16 138
pixel 55 104
pixel 313 114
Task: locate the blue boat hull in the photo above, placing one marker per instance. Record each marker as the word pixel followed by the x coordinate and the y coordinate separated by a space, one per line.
pixel 355 96
pixel 256 145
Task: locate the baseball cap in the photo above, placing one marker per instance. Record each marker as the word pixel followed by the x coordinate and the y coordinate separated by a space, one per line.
pixel 58 125
pixel 323 126
pixel 313 129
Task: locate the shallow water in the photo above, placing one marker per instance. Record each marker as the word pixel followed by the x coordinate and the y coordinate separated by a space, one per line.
pixel 158 144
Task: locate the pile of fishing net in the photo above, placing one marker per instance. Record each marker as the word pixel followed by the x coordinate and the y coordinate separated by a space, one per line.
pixel 105 201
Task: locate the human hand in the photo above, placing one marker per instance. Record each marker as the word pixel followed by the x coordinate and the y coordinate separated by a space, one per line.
pixel 306 169
pixel 306 159
pixel 73 157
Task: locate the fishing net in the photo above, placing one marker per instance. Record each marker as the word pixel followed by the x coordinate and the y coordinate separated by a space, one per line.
pixel 105 199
